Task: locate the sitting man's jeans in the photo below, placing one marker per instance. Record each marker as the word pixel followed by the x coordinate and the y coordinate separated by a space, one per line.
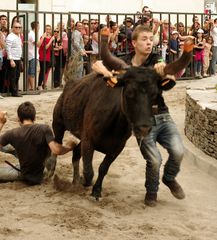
pixel 9 173
pixel 166 134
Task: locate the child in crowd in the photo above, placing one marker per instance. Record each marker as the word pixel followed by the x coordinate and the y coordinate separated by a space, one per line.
pixel 199 53
pixel 173 46
pixel 89 50
pixel 181 49
pixel 207 55
pixel 164 50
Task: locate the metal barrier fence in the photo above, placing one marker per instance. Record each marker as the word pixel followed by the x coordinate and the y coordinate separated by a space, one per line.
pixel 63 20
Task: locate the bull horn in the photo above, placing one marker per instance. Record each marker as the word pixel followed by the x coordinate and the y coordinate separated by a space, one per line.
pixel 110 61
pixel 183 61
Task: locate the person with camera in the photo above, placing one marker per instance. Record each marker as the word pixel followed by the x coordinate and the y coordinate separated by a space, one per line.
pixel 45 47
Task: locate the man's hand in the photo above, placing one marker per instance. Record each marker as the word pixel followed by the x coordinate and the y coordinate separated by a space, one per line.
pixel 71 144
pixel 3 117
pixel 101 69
pixel 12 63
pixel 159 67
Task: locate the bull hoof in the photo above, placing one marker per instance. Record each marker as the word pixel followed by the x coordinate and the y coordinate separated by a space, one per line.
pixel 84 182
pixel 78 181
pixel 96 193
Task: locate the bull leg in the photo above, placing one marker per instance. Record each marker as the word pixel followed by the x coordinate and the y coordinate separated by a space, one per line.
pixel 75 162
pixel 103 169
pixel 59 129
pixel 50 163
pixel 87 157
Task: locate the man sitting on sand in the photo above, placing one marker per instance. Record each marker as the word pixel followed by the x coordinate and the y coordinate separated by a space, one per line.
pixel 33 144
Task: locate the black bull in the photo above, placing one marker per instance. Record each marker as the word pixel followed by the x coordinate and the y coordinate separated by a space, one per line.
pixel 103 117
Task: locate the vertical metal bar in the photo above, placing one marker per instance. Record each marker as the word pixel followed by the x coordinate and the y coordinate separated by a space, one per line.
pixel 52 54
pixel 44 50
pixel 161 31
pixel 36 40
pixel 69 36
pixel 25 72
pixel 99 39
pixel 61 52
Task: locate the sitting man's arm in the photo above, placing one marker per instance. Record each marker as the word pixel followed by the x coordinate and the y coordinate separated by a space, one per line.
pixel 59 149
pixel 3 119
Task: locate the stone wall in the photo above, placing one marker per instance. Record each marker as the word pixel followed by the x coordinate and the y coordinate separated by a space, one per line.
pixel 201 125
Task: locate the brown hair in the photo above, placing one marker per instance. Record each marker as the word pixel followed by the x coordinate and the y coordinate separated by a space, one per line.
pixel 26 111
pixel 138 30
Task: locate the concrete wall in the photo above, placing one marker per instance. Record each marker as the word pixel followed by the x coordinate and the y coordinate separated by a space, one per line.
pixel 113 6
pixel 9 5
pixel 186 6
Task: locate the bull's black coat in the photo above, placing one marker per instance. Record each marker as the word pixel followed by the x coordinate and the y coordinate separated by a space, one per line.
pixel 103 117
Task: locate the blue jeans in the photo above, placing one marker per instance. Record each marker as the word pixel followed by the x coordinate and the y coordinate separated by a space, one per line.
pixel 8 173
pixel 197 66
pixel 166 134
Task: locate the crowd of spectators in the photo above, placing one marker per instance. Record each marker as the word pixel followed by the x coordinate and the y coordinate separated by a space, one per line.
pixel 52 47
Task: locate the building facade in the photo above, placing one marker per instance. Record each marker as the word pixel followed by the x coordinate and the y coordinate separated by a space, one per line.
pixel 106 6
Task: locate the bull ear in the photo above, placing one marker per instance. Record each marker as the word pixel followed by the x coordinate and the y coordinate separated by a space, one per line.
pixel 183 61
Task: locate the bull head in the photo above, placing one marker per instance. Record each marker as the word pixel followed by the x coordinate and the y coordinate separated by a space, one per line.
pixel 114 63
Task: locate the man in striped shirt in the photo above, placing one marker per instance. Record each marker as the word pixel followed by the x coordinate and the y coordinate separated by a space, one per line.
pixel 14 53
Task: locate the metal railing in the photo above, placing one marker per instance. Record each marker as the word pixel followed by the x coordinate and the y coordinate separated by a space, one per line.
pixel 54 18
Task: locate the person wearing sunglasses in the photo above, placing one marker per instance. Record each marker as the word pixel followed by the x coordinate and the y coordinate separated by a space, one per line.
pixel 14 53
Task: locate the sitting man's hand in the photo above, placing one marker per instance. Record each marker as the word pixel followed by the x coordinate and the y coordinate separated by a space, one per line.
pixel 3 117
pixel 71 144
pixel 101 69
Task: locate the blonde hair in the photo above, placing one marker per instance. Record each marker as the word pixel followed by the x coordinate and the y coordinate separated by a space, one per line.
pixel 139 29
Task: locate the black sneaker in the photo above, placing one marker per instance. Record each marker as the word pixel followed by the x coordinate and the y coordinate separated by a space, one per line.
pixel 175 188
pixel 150 199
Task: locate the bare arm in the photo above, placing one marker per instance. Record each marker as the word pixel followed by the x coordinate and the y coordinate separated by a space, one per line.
pixel 3 120
pixel 59 149
pixel 49 43
pixel 39 43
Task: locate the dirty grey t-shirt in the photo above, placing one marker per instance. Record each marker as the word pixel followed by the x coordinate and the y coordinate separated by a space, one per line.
pixel 31 144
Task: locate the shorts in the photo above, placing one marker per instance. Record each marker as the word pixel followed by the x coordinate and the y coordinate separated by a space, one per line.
pixel 32 67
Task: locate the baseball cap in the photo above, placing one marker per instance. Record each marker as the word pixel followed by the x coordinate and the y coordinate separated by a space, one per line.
pixel 200 31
